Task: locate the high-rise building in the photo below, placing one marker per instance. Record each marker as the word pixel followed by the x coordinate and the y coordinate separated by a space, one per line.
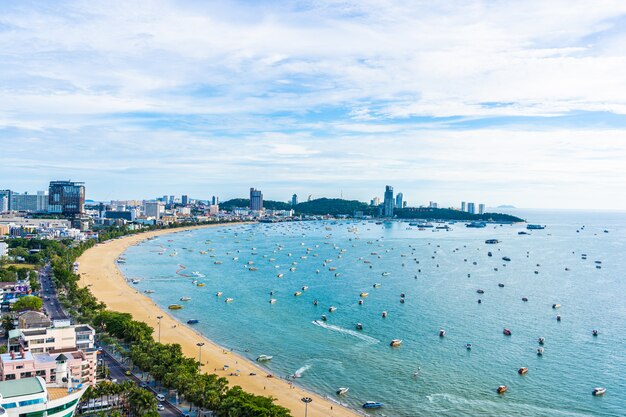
pixel 375 202
pixel 185 200
pixel 256 200
pixel 66 197
pixel 399 197
pixel 462 205
pixel 481 209
pixel 215 200
pixel 389 202
pixel 30 202
pixel 5 200
pixel 294 200
pixel 153 209
pixel 470 208
pixel 404 204
pixel 433 204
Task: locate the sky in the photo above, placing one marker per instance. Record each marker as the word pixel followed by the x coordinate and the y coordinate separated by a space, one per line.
pixel 499 102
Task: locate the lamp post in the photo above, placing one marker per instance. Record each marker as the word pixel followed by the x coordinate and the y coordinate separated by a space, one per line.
pixel 200 344
pixel 159 317
pixel 306 401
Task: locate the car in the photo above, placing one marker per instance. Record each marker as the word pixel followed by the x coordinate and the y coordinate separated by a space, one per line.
pixel 127 373
pixel 160 407
pixel 160 397
pixel 144 385
pixel 114 380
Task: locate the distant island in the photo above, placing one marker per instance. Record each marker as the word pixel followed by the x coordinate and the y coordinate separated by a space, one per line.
pixel 337 206
pixel 506 206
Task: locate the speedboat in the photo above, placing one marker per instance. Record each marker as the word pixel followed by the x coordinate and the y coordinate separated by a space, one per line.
pixel 264 358
pixel 501 285
pixel 541 340
pixel 539 351
pixel 305 288
pixel 384 274
pixel 315 302
pixel 218 294
pixel 373 404
pixel 442 333
pixel 599 391
pixel 297 293
pixel 480 291
pixel 364 294
pixel 359 326
pixel 229 300
pixel 201 284
pixel 175 307
pixel 522 371
pixel 279 275
pixel 376 285
pixel 468 346
pixel 384 314
pixel 395 342
pixel 502 389
pixel 185 298
pixel 332 308
pixel 594 332
pixel 558 317
pixel 524 299
pixel 556 305
pixel 324 318
pixel 149 291
pixel 342 391
pixel 360 302
pixel 193 321
pixel 273 301
pixel 506 332
pixel 506 258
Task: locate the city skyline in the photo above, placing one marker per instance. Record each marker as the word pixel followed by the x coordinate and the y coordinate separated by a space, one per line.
pixel 504 103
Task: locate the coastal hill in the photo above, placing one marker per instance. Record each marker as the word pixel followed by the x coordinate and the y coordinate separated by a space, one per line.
pixel 337 206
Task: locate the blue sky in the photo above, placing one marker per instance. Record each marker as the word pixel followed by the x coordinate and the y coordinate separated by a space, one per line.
pixel 498 102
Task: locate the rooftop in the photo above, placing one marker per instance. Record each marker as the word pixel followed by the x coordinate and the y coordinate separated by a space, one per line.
pixel 6 357
pixel 21 387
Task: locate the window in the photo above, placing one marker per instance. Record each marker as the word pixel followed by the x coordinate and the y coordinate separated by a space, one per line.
pixel 19 367
pixel 31 402
pixel 61 407
pixel 9 405
pixel 9 377
pixel 26 374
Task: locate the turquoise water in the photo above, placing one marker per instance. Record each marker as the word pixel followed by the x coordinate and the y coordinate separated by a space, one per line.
pixel 439 294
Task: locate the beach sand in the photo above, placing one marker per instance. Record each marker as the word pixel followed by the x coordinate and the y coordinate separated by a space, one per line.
pixel 99 271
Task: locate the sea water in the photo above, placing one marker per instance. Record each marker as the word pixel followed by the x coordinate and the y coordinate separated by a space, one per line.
pixel 439 273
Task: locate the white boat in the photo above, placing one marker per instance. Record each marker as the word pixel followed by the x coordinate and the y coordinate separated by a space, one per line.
pixel 384 274
pixel 599 391
pixel 136 281
pixel 229 300
pixel 149 291
pixel 218 294
pixel 273 301
pixel 540 351
pixel 395 342
pixel 332 308
pixel 185 298
pixel 342 391
pixel 264 358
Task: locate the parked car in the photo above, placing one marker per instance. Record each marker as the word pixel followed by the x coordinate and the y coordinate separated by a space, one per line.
pixel 160 397
pixel 160 407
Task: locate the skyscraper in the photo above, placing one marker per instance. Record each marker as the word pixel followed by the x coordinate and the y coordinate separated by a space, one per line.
pixel 294 200
pixel 462 205
pixel 66 197
pixel 185 200
pixel 153 209
pixel 388 211
pixel 470 208
pixel 5 200
pixel 375 202
pixel 481 209
pixel 256 200
pixel 30 202
pixel 399 197
pixel 215 200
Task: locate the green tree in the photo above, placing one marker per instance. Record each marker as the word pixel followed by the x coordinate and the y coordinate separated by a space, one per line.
pixel 7 324
pixel 30 302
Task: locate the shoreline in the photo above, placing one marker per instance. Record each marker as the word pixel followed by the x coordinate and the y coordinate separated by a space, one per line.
pixel 98 270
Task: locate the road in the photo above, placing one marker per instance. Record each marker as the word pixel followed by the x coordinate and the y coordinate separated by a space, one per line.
pixel 51 304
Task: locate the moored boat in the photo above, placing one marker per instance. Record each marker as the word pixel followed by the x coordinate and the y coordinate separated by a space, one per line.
pixel 264 358
pixel 506 332
pixel 185 298
pixel 175 307
pixel 229 300
pixel 332 308
pixel 502 389
pixel 193 321
pixel 599 391
pixel 373 404
pixel 540 351
pixel 342 391
pixel 364 294
pixel 395 342
pixel 442 333
pixel 522 371
pixel 359 326
pixel 218 294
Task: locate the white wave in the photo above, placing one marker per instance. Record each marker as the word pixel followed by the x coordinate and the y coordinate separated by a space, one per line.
pixel 349 332
pixel 301 370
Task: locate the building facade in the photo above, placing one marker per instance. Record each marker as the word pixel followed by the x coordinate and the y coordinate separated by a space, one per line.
pixel 388 202
pixel 294 200
pixel 185 200
pixel 399 200
pixel 256 200
pixel 462 205
pixel 481 209
pixel 5 200
pixel 153 209
pixel 471 209
pixel 30 202
pixel 31 397
pixel 66 198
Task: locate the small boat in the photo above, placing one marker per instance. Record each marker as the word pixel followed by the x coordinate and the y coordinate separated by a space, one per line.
pixel 373 404
pixel 384 314
pixel 501 285
pixel 402 300
pixel 264 358
pixel 522 371
pixel 217 262
pixel 442 333
pixel 524 299
pixel 542 340
pixel 175 307
pixel 315 302
pixel 185 298
pixel 273 301
pixel 136 281
pixel 342 391
pixel 506 332
pixel 540 351
pixel 364 294
pixel 218 294
pixel 558 317
pixel 492 241
pixel 229 300
pixel 480 291
pixel 376 285
pixel 297 293
pixel 359 326
pixel 468 346
pixel 360 302
pixel 280 275
pixel 149 291
pixel 594 332
pixel 201 284
pixel 506 258
pixel 489 254
pixel 324 318
pixel 599 391
pixel 384 274
pixel 305 288
pixel 253 269
pixel 556 305
pixel 502 389
pixel 332 268
pixel 332 308
pixel 395 342
pixel 193 321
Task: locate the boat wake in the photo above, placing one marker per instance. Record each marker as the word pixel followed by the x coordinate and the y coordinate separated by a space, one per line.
pixel 300 371
pixel 348 332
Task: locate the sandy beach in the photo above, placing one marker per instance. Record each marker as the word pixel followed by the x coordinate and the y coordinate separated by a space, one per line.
pixel 99 271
